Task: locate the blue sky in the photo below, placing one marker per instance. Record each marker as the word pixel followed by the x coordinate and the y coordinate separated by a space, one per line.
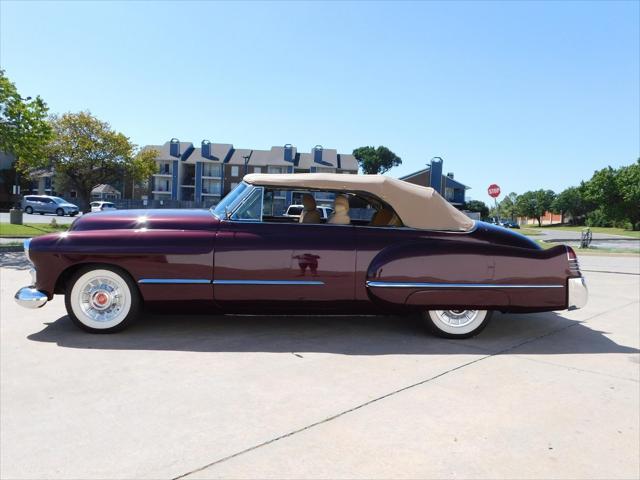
pixel 524 94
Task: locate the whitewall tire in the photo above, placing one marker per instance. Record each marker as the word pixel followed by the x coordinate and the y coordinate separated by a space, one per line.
pixel 102 299
pixel 456 323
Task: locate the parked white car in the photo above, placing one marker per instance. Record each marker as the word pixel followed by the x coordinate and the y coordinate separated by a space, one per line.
pixel 296 210
pixel 101 206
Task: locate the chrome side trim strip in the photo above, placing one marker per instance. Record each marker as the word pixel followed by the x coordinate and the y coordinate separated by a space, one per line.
pixel 268 282
pixel 452 285
pixel 171 281
pixel 203 281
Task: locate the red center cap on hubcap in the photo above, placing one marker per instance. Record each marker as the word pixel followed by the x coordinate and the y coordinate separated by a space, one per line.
pixel 101 298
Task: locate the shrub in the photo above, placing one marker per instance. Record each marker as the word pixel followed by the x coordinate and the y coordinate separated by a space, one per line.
pixel 597 218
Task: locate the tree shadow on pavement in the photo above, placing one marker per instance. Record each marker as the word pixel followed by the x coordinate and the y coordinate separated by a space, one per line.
pixel 347 335
pixel 14 261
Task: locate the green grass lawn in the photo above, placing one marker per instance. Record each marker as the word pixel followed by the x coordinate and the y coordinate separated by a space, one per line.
pixel 593 250
pixel 29 229
pixel 608 230
pixel 530 232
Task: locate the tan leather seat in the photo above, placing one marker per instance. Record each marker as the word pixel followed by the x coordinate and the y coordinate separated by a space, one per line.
pixel 385 217
pixel 310 213
pixel 341 211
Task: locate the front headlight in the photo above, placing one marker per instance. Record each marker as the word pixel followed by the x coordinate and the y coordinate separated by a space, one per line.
pixel 26 244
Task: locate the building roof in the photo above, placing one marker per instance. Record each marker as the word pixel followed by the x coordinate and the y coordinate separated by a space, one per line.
pixel 220 152
pixel 276 156
pixel 104 188
pixel 428 171
pixel 164 151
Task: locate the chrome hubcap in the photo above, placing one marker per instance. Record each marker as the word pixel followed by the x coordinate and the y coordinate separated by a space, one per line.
pixel 457 318
pixel 101 299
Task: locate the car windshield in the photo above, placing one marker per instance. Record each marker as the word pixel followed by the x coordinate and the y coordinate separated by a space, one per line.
pixel 231 201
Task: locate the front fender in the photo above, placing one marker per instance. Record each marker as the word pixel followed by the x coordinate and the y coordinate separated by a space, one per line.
pixel 175 254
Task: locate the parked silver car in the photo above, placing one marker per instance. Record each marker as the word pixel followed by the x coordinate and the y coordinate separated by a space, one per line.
pixel 47 204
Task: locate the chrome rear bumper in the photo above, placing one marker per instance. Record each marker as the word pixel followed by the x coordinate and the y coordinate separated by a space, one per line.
pixel 578 293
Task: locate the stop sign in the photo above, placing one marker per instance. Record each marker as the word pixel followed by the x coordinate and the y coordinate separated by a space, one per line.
pixel 494 190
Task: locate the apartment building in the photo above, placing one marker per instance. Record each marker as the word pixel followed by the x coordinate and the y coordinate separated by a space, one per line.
pixel 205 174
pixel 445 185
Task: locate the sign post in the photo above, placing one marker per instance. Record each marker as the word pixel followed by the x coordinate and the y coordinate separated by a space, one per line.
pixel 494 192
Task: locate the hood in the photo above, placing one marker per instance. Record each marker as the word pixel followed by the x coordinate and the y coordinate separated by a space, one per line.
pixel 166 219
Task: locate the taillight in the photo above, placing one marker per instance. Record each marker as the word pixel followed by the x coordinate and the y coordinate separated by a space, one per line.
pixel 574 266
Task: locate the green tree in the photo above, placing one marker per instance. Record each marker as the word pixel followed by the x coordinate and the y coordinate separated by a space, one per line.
pixel 477 206
pixel 24 130
pixel 615 193
pixel 628 182
pixel 376 160
pixel 507 206
pixel 534 204
pixel 86 152
pixel 571 201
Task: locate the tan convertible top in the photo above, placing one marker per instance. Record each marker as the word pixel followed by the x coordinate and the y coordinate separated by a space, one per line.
pixel 417 207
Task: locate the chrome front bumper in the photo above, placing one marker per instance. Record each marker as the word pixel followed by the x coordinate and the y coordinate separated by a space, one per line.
pixel 578 293
pixel 31 297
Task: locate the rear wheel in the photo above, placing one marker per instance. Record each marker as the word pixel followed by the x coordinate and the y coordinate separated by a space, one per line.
pixel 456 323
pixel 28 210
pixel 60 212
pixel 102 299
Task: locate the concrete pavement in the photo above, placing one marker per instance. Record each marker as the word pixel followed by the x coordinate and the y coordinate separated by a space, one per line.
pixel 549 395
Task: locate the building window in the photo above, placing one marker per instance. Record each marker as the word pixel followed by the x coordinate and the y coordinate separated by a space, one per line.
pixel 448 193
pixel 211 170
pixel 277 169
pixel 164 168
pixel 257 169
pixel 234 171
pixel 211 187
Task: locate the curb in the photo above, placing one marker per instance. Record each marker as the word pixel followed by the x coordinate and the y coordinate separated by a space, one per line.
pixel 11 248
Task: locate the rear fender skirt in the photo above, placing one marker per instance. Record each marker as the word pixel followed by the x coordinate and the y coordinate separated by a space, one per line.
pixel 477 298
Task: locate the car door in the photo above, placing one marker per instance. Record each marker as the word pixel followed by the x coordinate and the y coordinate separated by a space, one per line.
pixel 288 265
pixel 284 262
pixel 48 205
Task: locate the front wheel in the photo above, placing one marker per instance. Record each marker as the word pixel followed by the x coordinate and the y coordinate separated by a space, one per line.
pixel 102 299
pixel 60 212
pixel 456 323
pixel 28 210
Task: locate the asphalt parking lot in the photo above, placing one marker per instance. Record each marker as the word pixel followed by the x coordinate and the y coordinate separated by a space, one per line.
pixel 549 395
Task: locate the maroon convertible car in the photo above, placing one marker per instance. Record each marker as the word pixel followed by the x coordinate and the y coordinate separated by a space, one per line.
pixel 389 246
